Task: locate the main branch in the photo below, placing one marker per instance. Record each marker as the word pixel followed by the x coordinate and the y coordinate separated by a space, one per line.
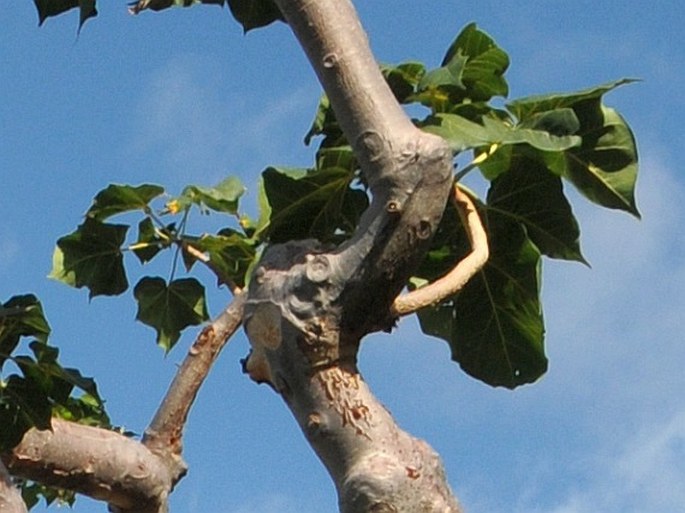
pixel 308 306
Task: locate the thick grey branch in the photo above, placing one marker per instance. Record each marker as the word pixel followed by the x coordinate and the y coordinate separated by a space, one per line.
pixel 10 497
pixel 96 462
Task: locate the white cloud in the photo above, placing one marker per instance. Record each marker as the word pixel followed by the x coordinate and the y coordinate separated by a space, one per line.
pixel 9 249
pixel 646 475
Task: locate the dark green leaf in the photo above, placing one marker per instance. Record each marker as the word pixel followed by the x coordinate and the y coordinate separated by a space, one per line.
pixel 48 8
pixel 21 316
pixel 403 79
pixel 149 241
pixel 463 134
pixel 230 254
pixel 159 5
pixel 254 13
pixel 116 199
pixel 472 69
pixel 494 325
pixel 32 492
pixel 531 195
pixel 604 166
pixel 221 198
pixel 318 204
pixel 170 309
pixel 325 124
pixel 91 257
pixel 23 405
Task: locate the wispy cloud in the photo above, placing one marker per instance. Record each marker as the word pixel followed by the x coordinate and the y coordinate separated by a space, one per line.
pixel 9 249
pixel 194 129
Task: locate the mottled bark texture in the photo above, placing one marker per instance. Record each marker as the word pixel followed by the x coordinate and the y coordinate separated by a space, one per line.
pixel 309 306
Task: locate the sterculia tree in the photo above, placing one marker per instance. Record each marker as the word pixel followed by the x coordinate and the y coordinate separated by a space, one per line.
pixel 380 226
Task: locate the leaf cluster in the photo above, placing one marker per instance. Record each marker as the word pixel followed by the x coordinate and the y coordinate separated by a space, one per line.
pixel 39 388
pixel 250 14
pixel 527 151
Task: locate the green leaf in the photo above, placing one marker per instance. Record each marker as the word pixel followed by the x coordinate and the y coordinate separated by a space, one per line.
pixel 149 241
pixel 318 204
pixel 21 316
pixel 462 134
pixel 472 69
pixel 230 254
pixel 604 167
pixel 91 257
pixel 403 79
pixel 221 198
pixel 252 14
pixel 49 8
pixel 494 325
pixel 530 194
pixel 44 387
pixel 325 124
pixel 170 309
pixel 116 199
pixel 159 5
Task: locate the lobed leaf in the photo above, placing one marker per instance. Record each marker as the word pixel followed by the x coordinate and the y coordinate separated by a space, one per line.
pixel 604 167
pixel 531 195
pixel 253 14
pixel 473 69
pixel 91 257
pixel 462 134
pixel 171 308
pixel 21 316
pixel 312 204
pixel 230 253
pixel 116 199
pixel 223 197
pixel 49 8
pixel 494 325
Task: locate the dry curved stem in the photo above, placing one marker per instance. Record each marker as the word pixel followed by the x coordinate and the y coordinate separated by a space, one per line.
pixel 455 280
pixel 164 435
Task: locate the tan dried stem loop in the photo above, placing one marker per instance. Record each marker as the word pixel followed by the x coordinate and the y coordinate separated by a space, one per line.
pixel 455 280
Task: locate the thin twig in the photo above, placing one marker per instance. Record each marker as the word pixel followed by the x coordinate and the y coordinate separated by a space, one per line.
pixel 165 431
pixel 453 281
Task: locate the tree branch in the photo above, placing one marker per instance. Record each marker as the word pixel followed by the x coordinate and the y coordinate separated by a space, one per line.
pixel 99 463
pixel 453 281
pixel 164 435
pixel 10 497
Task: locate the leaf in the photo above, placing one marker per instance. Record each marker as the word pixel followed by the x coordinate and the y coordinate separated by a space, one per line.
pixel 530 194
pixel 494 325
pixel 325 124
pixel 49 8
pixel 472 69
pixel 21 316
pixel 116 199
pixel 604 166
pixel 318 203
pixel 149 241
pixel 170 309
pixel 221 198
pixel 159 5
pixel 91 257
pixel 403 79
pixel 462 134
pixel 30 400
pixel 230 254
pixel 253 14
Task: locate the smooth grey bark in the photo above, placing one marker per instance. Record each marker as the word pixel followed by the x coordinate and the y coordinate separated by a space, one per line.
pixel 10 498
pixel 308 306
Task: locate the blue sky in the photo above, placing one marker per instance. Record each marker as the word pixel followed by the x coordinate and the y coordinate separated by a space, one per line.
pixel 183 97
